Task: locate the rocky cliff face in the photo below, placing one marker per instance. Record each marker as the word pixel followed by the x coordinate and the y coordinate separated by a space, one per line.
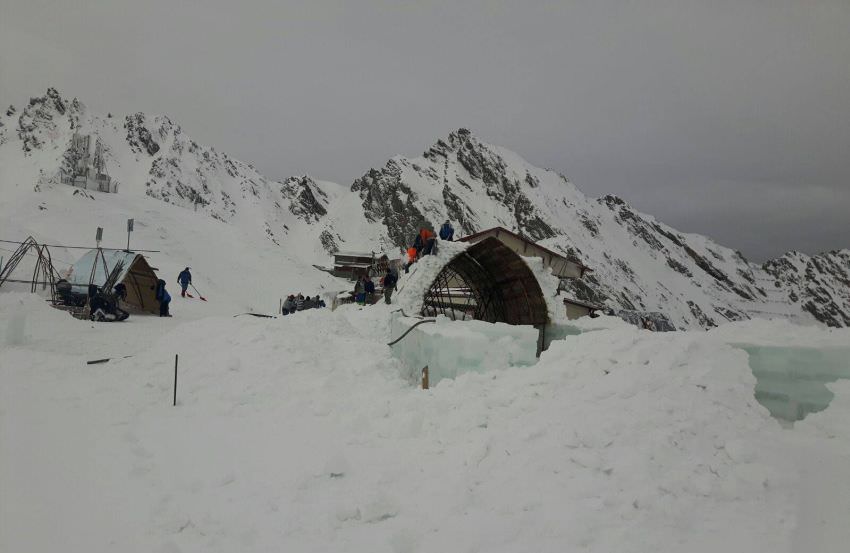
pixel 818 285
pixel 455 179
pixel 638 263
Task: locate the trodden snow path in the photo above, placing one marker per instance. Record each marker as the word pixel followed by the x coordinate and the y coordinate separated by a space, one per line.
pixel 298 434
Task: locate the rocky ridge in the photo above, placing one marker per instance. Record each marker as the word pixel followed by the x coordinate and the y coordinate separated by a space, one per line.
pixel 638 263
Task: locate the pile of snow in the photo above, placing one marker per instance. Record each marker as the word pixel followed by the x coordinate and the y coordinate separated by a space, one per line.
pixel 28 320
pixel 413 285
pixel 298 433
pixel 549 286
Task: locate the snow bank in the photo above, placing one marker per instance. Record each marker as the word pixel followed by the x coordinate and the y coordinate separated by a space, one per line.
pixel 29 318
pixel 549 286
pixel 451 348
pixel 413 285
pixel 298 434
pixel 781 332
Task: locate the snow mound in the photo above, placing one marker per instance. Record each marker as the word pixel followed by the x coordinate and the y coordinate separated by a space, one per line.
pixel 298 433
pixel 29 319
pixel 412 286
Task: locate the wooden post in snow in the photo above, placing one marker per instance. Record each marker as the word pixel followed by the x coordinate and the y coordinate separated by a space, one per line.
pixel 425 377
pixel 175 380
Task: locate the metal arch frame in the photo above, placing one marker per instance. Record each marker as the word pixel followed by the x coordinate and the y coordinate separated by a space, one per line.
pixel 487 302
pixel 43 273
pixel 495 283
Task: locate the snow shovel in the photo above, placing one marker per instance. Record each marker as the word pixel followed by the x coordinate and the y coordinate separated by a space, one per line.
pixel 200 297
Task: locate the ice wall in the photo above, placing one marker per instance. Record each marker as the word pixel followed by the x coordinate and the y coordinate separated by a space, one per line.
pixel 790 381
pixel 450 348
pixel 559 331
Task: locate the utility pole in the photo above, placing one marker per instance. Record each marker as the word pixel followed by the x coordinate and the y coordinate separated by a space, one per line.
pixel 129 230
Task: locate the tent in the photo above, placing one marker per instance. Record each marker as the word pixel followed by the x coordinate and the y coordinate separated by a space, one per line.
pixel 135 274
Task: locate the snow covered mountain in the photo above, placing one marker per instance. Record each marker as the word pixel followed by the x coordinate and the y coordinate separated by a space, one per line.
pixel 820 284
pixel 638 263
pixel 152 156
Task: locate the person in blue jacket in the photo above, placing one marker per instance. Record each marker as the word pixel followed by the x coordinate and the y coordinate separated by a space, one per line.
pixel 163 297
pixel 185 279
pixel 447 232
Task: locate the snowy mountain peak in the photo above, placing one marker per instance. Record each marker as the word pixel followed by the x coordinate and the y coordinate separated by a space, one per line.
pixel 44 118
pixel 308 201
pixel 638 262
pixel 140 138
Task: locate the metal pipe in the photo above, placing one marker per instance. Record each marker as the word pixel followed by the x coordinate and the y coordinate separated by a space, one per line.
pixel 397 340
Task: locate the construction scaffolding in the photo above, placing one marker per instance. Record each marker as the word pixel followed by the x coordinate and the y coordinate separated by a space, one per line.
pixel 487 282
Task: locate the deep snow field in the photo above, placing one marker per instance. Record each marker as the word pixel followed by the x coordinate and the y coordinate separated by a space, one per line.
pixel 300 434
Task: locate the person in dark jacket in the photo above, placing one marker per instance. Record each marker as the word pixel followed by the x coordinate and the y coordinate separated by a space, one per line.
pixel 299 302
pixel 418 244
pixel 184 279
pixel 360 290
pixel 289 305
pixel 96 304
pixel 369 288
pixel 390 280
pixel 163 297
pixel 447 232
pixel 319 301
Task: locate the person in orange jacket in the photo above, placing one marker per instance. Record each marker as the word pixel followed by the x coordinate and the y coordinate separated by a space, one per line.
pixel 428 240
pixel 411 258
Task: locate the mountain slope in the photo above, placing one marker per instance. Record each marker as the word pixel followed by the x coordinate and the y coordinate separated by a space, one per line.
pixel 638 262
pixel 154 157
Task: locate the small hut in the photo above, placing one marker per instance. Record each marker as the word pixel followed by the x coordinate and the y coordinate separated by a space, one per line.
pixel 136 274
pixel 351 265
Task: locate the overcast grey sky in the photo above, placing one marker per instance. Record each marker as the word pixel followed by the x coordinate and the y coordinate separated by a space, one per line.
pixel 728 118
